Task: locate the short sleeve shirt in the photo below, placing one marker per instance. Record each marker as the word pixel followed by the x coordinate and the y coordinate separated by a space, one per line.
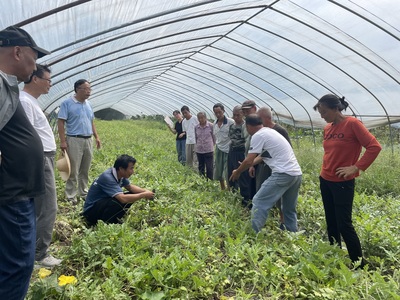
pixel 188 126
pixel 222 139
pixel 106 185
pixel 38 120
pixel 78 116
pixel 275 151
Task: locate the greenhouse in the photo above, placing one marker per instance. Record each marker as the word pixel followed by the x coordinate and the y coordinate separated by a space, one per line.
pixel 152 57
pixel 182 235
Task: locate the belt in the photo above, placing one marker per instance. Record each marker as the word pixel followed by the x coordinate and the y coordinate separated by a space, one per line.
pixel 80 136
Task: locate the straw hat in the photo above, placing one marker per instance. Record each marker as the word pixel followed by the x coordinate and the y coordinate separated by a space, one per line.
pixel 63 166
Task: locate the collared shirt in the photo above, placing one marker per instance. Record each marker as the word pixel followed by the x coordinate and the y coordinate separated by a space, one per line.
pixel 106 185
pixel 222 134
pixel 78 116
pixel 38 120
pixel 205 139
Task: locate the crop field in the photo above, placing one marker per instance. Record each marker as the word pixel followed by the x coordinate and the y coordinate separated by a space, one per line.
pixel 195 241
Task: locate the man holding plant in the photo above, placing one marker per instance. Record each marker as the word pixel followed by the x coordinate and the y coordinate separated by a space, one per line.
pixel 106 200
pixel 284 181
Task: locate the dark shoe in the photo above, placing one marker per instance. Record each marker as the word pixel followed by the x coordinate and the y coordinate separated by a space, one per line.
pixel 73 201
pixel 362 264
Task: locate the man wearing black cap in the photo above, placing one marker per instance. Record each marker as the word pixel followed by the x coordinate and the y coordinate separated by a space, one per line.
pixel 21 168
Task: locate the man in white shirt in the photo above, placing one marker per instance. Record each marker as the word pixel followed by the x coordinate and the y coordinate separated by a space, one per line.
pixel 284 181
pixel 45 205
pixel 188 126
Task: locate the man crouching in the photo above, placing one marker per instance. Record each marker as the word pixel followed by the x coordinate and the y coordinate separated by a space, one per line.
pixel 106 200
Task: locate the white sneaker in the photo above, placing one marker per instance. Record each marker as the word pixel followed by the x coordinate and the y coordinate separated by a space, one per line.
pixel 49 261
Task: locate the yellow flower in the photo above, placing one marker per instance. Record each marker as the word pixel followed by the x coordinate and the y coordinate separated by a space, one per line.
pixel 43 273
pixel 63 280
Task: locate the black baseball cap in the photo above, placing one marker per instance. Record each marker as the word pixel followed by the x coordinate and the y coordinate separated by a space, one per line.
pixel 15 36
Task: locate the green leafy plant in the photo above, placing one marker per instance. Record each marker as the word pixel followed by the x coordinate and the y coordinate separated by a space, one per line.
pixel 195 241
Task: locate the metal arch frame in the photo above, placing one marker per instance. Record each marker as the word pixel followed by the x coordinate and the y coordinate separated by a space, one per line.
pixel 92 84
pixel 263 91
pixel 106 75
pixel 388 118
pixel 234 84
pixel 130 54
pixel 167 82
pixel 365 19
pixel 143 43
pixel 213 26
pixel 133 65
pixel 256 76
pixel 170 81
pixel 51 12
pixel 263 8
pixel 231 83
pixel 360 16
pixel 197 16
pixel 321 82
pixel 138 21
pixel 142 62
pixel 349 48
pixel 262 79
pixel 167 93
pixel 332 64
pixel 205 83
pixel 127 86
pixel 318 56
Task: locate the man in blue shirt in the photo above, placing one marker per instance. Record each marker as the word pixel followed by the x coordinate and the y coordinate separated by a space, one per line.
pixel 106 200
pixel 75 128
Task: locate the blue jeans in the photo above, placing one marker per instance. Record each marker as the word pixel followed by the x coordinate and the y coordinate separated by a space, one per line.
pixel 180 148
pixel 276 186
pixel 17 248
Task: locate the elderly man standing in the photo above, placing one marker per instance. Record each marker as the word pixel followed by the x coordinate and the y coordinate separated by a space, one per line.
pixel 76 128
pixel 21 167
pixel 46 205
pixel 222 144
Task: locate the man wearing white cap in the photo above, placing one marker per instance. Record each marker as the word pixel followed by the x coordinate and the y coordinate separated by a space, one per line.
pixel 46 205
pixel 21 169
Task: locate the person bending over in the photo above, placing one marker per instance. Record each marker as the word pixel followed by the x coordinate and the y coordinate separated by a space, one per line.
pixel 106 200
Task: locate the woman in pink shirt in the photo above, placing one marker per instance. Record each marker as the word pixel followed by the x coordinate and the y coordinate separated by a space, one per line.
pixel 205 141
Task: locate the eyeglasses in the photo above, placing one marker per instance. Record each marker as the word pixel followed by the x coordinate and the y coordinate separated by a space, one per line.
pixel 48 80
pixel 86 89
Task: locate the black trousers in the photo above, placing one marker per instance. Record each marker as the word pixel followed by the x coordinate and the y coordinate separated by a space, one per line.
pixel 338 205
pixel 244 181
pixel 206 162
pixel 109 210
